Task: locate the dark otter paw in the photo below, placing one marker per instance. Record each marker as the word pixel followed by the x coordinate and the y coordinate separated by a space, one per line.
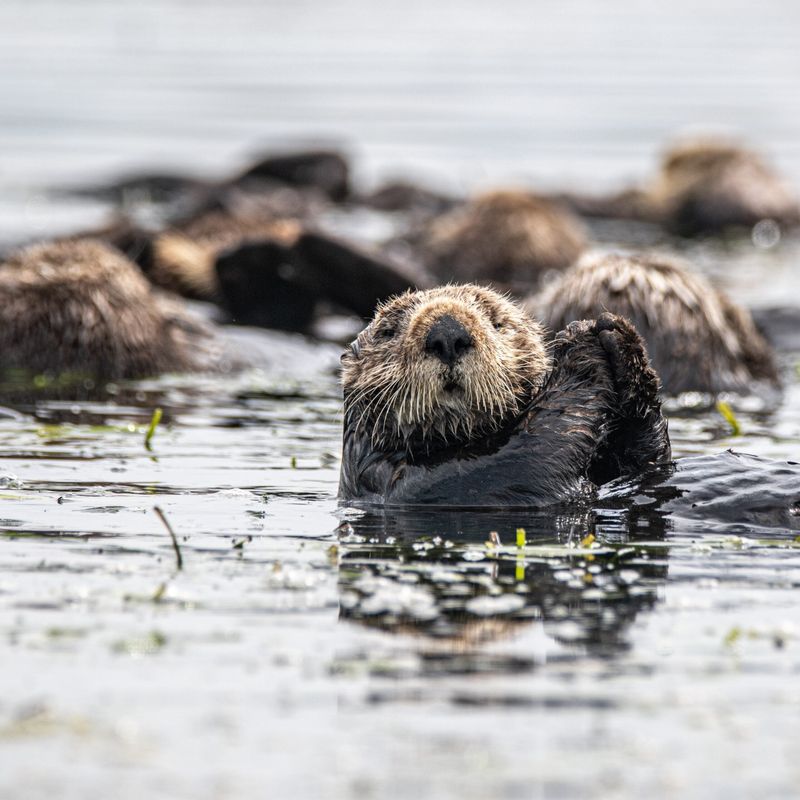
pixel 639 434
pixel 636 382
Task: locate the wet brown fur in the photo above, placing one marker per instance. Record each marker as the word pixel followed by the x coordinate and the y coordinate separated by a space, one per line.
pixel 703 186
pixel 711 184
pixel 506 237
pixel 80 306
pixel 697 339
pixel 396 391
pixel 184 258
pixel 527 428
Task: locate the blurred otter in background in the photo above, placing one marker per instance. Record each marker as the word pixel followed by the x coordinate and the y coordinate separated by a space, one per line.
pixel 327 171
pixel 411 198
pixel 261 270
pixel 81 307
pixel 273 285
pixel 184 257
pixel 697 339
pixel 195 220
pixel 703 186
pixel 509 238
pixel 707 185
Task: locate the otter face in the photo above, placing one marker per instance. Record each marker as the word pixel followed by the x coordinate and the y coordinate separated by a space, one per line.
pixel 443 365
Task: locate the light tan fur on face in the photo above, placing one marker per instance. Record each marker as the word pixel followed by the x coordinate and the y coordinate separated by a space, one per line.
pixel 399 394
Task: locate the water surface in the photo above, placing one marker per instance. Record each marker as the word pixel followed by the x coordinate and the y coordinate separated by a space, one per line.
pixel 308 651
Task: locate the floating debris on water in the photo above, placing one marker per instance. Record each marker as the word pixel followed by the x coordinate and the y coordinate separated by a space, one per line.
pixel 151 429
pixel 726 411
pixel 146 645
pixel 174 539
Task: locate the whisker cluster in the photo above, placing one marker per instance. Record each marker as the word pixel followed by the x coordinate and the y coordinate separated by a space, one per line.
pixel 399 397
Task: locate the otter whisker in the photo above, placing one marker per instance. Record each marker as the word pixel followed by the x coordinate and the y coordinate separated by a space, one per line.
pixel 382 399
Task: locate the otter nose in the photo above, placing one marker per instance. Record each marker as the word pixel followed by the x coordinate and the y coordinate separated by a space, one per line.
pixel 448 340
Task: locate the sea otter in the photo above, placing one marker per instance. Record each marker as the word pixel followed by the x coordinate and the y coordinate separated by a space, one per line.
pixel 509 238
pixel 81 307
pixel 184 257
pixel 451 397
pixel 697 339
pixel 703 186
pixel 327 171
pixel 407 197
pixel 322 172
pixel 708 185
pixel 271 285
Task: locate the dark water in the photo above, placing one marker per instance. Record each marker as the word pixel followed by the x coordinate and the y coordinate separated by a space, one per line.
pixel 306 651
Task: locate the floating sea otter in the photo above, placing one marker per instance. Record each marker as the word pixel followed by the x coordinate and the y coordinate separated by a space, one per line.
pixel 451 398
pixel 81 307
pixel 697 339
pixel 507 237
pixel 184 258
pixel 703 186
pixel 262 270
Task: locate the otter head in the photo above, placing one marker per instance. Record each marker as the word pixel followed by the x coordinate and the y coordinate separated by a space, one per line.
pixel 441 367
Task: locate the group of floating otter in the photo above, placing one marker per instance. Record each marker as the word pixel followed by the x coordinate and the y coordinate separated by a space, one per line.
pixel 455 394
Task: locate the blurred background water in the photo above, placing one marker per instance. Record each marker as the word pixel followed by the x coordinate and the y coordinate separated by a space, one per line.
pixel 292 659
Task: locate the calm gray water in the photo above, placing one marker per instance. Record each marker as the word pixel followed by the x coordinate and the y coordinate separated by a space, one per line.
pixel 303 652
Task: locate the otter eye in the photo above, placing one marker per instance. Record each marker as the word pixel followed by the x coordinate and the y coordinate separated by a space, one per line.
pixel 498 326
pixel 386 333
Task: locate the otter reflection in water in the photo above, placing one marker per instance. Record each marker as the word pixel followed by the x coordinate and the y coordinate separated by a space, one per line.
pixel 459 579
pixel 584 572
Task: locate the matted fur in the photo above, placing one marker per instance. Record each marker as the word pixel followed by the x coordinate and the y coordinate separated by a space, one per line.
pixel 696 337
pixel 403 397
pixel 508 237
pixel 183 259
pixel 80 306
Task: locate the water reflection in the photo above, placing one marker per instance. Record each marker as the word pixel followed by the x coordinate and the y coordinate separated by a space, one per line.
pixel 464 579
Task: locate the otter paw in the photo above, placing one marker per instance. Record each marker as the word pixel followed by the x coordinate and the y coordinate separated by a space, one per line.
pixel 636 382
